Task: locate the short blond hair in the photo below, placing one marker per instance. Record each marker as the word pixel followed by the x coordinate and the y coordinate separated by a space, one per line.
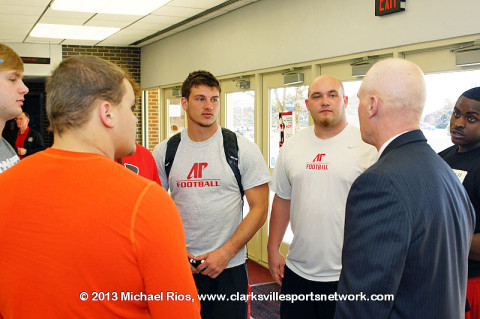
pixel 9 59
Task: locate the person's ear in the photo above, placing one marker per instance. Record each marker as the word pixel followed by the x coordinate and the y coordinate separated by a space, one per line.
pixel 373 102
pixel 184 103
pixel 106 115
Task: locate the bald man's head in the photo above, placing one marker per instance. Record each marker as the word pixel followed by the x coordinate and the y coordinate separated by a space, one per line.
pixel 400 86
pixel 392 97
pixel 326 103
pixel 325 78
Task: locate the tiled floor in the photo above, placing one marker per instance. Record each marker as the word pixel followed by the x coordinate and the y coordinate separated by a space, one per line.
pixel 265 309
pixel 258 274
pixel 261 282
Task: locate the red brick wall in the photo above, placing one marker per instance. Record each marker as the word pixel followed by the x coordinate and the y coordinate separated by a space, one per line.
pixel 153 125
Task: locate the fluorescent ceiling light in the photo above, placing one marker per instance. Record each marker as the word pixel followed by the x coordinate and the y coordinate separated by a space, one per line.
pixel 127 7
pixel 76 32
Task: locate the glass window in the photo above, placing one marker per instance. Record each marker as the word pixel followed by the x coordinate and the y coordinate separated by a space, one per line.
pixel 285 99
pixel 443 91
pixel 351 89
pixel 240 113
pixel 240 118
pixel 176 116
pixel 290 101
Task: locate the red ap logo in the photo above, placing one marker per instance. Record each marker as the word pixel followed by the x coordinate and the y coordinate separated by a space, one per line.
pixel 197 170
pixel 318 158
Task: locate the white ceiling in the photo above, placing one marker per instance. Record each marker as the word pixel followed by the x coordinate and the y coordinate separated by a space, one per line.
pixel 18 17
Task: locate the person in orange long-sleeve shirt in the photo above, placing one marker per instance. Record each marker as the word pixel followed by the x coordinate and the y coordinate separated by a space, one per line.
pixel 86 238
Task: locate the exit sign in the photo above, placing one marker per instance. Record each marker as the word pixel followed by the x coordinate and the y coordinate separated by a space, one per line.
pixel 384 7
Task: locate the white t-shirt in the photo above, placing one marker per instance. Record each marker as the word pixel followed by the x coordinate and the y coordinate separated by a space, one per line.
pixel 205 190
pixel 316 176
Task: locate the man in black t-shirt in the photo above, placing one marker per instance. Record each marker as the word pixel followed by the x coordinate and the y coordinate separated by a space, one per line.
pixel 464 158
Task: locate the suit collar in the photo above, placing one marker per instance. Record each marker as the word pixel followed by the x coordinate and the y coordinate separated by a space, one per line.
pixel 405 138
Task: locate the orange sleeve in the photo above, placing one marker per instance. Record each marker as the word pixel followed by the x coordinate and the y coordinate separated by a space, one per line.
pixel 158 239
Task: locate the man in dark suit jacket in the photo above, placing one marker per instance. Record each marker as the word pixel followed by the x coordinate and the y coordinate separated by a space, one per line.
pixel 409 222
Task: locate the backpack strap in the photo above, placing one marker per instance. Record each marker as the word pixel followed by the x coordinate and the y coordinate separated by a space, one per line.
pixel 172 146
pixel 230 146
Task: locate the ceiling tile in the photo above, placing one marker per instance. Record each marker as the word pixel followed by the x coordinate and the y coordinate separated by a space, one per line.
pixel 177 11
pixel 61 20
pixel 115 17
pixel 13 31
pixel 125 40
pixel 5 25
pixel 10 38
pixel 115 43
pixel 34 3
pixel 154 19
pixel 123 35
pixel 107 24
pixel 204 4
pixel 138 34
pixel 17 18
pixel 43 40
pixel 9 18
pixel 25 10
pixel 68 14
pixel 149 26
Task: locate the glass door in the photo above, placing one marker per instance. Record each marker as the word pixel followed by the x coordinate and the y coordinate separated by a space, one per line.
pixel 240 113
pixel 285 112
pixel 238 106
pixel 176 120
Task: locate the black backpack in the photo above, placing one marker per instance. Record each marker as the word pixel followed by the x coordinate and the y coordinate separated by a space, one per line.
pixel 230 147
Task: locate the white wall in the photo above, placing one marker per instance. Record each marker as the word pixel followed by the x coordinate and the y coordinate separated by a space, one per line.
pixel 54 52
pixel 271 33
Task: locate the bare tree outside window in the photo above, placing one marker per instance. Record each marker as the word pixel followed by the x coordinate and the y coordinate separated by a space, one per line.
pixel 285 99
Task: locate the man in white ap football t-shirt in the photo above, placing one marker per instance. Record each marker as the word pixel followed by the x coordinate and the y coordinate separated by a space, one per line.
pixel 311 181
pixel 207 195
